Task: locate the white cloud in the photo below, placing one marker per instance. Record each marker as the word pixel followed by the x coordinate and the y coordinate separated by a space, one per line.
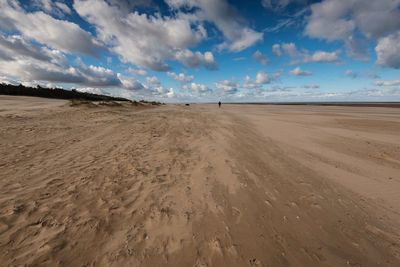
pixel 343 20
pixel 63 7
pixel 357 48
pixel 152 81
pixel 245 39
pixel 249 83
pixel 279 88
pixel 387 94
pixel 140 72
pixel 376 18
pixel 328 20
pixel 276 50
pixel 299 72
pixel 238 36
pixel 58 34
pixel 388 83
pixel 99 76
pixel 197 88
pixel 146 40
pixel 304 56
pixel 311 86
pixel 262 77
pixel 260 57
pixel 16 46
pixel 170 93
pixel 92 90
pixel 388 51
pixel 227 87
pixel 30 69
pixel 288 49
pixel 322 56
pixel 31 63
pixel 181 77
pixel 52 7
pixel 28 62
pixel 130 83
pixel 194 60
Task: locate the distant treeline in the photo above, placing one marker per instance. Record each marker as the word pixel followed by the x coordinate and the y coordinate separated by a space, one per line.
pixel 9 89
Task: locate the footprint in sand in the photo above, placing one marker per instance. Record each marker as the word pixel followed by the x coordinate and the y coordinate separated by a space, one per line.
pixel 3 227
pixel 255 262
pixel 268 203
pixel 237 214
pixel 216 246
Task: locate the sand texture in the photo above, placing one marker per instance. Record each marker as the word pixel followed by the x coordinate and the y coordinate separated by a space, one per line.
pixel 244 185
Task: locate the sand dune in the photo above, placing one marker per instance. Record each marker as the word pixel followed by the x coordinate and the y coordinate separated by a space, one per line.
pixel 198 186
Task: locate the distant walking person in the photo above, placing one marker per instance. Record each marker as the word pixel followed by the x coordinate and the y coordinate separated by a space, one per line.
pixel 219 104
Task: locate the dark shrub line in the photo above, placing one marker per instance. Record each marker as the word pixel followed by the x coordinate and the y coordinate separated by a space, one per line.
pixel 58 93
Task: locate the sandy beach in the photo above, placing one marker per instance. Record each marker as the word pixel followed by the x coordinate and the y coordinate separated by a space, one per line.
pixel 175 185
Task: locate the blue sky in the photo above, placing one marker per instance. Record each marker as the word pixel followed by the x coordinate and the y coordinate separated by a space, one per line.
pixel 206 50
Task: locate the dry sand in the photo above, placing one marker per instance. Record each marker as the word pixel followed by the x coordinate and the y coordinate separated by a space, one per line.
pixel 198 186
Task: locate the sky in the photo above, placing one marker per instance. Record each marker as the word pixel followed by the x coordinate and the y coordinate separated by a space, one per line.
pixel 206 50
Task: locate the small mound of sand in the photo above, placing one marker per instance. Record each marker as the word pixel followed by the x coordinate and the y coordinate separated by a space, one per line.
pixel 110 104
pixel 79 103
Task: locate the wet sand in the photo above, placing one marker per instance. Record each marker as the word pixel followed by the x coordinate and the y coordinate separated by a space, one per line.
pixel 244 185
